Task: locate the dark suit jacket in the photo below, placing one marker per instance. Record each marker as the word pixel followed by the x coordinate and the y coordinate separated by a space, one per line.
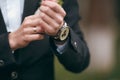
pixel 117 10
pixel 35 62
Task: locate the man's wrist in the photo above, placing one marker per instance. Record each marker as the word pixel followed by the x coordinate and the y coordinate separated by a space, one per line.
pixel 60 42
pixel 62 34
pixel 12 43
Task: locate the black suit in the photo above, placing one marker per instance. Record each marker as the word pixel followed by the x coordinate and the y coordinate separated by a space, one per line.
pixel 118 9
pixel 35 62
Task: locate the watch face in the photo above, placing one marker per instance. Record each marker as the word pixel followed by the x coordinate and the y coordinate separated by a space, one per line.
pixel 64 33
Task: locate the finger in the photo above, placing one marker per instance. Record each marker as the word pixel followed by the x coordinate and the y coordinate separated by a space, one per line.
pixel 48 29
pixel 32 30
pixel 49 21
pixel 54 6
pixel 57 17
pixel 33 37
pixel 32 21
pixel 50 0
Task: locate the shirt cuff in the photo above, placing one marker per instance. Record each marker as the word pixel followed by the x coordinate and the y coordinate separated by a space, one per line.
pixel 61 47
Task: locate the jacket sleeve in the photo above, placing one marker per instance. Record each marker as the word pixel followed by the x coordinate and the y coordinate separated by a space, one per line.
pixel 6 56
pixel 76 55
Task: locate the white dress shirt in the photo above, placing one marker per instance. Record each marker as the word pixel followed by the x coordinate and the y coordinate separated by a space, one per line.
pixel 12 11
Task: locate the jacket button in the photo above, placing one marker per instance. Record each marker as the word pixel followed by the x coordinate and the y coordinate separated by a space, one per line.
pixel 75 44
pixel 1 63
pixel 14 75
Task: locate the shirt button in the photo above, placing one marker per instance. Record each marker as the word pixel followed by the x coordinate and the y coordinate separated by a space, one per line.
pixel 1 63
pixel 14 75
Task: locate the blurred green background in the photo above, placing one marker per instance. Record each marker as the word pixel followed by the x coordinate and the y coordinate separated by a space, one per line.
pixel 100 25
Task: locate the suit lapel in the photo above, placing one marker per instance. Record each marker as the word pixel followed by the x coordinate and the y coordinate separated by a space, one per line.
pixel 30 7
pixel 2 24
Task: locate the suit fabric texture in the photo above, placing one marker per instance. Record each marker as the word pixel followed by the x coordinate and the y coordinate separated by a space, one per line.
pixel 36 61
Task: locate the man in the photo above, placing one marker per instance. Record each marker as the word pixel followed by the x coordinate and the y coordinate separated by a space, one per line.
pixel 28 41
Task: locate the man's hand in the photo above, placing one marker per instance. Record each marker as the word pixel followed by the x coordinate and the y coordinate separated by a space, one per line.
pixel 48 21
pixel 27 32
pixel 52 15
